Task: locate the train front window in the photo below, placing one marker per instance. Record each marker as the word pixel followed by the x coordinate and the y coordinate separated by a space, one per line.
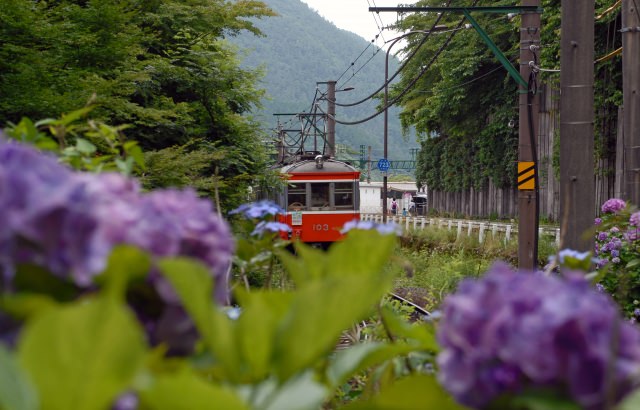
pixel 343 195
pixel 297 196
pixel 320 195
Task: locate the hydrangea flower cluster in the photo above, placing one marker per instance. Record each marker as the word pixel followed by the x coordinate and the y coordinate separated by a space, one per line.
pixel 385 229
pixel 613 205
pixel 513 331
pixel 69 222
pixel 617 246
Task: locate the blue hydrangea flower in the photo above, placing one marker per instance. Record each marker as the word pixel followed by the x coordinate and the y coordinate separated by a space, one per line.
pixel 385 229
pixel 258 210
pixel 263 227
pixel 511 331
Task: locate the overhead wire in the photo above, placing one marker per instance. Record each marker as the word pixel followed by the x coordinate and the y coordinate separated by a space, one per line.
pixel 411 55
pixel 412 82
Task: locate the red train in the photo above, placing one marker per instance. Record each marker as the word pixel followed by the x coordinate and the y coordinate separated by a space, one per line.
pixel 322 194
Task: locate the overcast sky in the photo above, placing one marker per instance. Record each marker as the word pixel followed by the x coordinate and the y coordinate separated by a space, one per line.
pixel 354 15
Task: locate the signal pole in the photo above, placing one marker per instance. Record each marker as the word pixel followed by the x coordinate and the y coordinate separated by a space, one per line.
pixel 630 99
pixel 577 186
pixel 528 196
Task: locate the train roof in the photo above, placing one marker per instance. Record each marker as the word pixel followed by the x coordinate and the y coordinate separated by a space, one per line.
pixel 310 166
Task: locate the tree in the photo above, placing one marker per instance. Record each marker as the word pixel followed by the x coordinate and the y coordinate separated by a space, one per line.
pixel 162 66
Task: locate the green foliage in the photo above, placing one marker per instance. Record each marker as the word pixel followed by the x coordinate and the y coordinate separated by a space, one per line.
pixel 618 250
pixel 85 145
pixel 163 67
pixel 461 106
pixel 16 391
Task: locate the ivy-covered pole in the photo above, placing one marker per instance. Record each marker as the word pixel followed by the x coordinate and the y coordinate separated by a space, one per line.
pixel 631 98
pixel 577 187
pixel 528 189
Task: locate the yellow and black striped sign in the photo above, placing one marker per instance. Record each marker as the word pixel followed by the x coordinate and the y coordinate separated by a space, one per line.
pixel 526 173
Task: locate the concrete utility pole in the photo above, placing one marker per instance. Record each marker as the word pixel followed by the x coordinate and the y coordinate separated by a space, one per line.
pixel 331 118
pixel 528 199
pixel 577 186
pixel 630 99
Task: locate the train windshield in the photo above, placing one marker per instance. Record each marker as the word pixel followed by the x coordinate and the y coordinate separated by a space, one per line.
pixel 343 195
pixel 320 197
pixel 297 197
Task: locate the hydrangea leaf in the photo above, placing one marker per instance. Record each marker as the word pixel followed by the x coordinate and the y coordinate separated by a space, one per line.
pixel 262 312
pixel 81 356
pixel 631 402
pixel 299 393
pixel 185 390
pixel 16 392
pixel 325 307
pixel 309 264
pixel 361 253
pixel 360 357
pixel 411 393
pixel 193 283
pixel 421 334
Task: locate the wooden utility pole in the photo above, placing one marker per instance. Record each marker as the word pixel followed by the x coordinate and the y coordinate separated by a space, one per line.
pixel 331 118
pixel 630 99
pixel 577 186
pixel 528 199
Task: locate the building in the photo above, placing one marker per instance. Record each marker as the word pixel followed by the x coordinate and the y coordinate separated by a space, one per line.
pixel 371 195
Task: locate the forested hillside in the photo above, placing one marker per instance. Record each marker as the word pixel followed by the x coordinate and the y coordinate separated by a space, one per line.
pixel 300 49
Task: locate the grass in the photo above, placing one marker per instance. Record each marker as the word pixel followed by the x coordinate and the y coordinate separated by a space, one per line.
pixel 433 261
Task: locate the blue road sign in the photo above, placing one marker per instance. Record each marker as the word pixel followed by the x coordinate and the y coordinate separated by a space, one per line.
pixel 384 164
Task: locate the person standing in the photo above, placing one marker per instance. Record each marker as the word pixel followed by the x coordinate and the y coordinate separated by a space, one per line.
pixel 394 207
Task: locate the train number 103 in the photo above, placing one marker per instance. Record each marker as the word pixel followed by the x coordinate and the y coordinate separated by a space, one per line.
pixel 320 227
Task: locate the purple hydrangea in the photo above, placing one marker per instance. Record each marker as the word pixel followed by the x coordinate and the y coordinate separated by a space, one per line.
pixel 69 222
pixel 510 331
pixel 634 219
pixel 597 221
pixel 613 205
pixel 385 229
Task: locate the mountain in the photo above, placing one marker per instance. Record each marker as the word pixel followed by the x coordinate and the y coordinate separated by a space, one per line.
pixel 300 49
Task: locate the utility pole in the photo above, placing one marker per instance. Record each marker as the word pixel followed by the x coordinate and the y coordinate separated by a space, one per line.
pixel 577 186
pixel 331 118
pixel 630 99
pixel 528 195
pixel 369 167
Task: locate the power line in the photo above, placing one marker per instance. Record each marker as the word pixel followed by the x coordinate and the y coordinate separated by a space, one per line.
pixel 412 83
pixel 413 53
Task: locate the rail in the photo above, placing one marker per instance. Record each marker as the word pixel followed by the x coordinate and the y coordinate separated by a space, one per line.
pixel 482 228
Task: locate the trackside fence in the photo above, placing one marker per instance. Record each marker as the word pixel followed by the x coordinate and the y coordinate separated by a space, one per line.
pixel 462 226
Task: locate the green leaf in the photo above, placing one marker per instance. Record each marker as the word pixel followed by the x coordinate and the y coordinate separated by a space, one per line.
pixel 633 263
pixel 421 333
pixel 300 393
pixel 355 359
pixel 193 283
pixel 125 264
pixel 187 391
pixel 412 393
pixel 83 355
pixel 631 402
pixel 24 305
pixel 324 307
pixel 257 327
pixel 16 391
pixel 85 147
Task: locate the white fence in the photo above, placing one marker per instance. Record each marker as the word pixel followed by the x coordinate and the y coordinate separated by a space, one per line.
pixel 481 228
